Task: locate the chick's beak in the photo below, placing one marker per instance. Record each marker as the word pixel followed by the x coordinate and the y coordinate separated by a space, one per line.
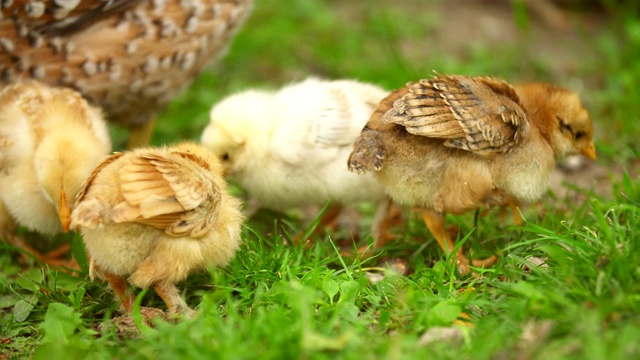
pixel 226 170
pixel 589 151
pixel 64 211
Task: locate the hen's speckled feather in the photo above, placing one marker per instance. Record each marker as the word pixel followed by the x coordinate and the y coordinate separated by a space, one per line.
pixel 128 56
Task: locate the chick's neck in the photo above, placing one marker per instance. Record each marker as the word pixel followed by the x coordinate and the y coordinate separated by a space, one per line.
pixel 537 106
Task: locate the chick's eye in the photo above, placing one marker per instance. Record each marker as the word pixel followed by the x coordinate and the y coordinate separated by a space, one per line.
pixel 579 135
pixel 225 157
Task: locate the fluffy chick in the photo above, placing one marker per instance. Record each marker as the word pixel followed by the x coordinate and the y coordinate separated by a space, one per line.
pixel 287 148
pixel 153 215
pixel 453 144
pixel 50 141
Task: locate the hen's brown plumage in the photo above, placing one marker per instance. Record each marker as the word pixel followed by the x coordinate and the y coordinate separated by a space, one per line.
pixel 128 56
pixel 453 144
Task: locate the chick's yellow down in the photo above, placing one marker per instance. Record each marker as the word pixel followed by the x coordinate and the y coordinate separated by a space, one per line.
pixel 453 144
pixel 50 141
pixel 287 148
pixel 151 216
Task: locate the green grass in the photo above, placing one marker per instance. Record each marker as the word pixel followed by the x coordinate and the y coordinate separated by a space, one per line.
pixel 281 301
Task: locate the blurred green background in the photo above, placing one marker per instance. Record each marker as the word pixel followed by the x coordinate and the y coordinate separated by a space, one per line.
pixel 591 48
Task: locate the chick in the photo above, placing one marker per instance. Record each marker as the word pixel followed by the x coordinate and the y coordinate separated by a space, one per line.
pixel 287 148
pixel 50 141
pixel 453 144
pixel 153 215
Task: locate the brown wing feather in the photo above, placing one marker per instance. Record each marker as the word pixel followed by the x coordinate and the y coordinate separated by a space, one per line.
pixel 84 188
pixel 481 115
pixel 175 193
pixel 368 152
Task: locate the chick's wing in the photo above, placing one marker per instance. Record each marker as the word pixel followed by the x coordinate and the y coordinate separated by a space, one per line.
pixel 331 120
pixel 334 125
pixel 481 115
pixel 175 193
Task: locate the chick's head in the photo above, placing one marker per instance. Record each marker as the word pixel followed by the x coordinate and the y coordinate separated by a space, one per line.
pixel 561 118
pixel 62 163
pixel 200 152
pixel 240 128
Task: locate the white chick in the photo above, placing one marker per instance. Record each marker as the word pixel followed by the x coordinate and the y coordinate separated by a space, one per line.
pixel 289 148
pixel 50 141
pixel 153 215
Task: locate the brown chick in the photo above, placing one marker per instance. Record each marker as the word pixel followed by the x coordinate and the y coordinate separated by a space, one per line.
pixel 453 144
pixel 50 141
pixel 128 56
pixel 151 216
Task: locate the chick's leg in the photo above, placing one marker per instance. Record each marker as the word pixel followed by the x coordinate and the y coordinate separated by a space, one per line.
pixel 387 215
pixel 515 208
pixel 54 258
pixel 119 285
pixel 435 223
pixel 171 296
pixel 328 218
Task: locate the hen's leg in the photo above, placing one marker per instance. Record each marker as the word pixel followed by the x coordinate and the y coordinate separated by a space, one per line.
pixel 171 296
pixel 435 223
pixel 141 135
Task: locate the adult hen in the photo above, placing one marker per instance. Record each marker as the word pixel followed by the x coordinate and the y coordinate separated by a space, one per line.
pixel 50 141
pixel 131 57
pixel 453 144
pixel 287 148
pixel 153 215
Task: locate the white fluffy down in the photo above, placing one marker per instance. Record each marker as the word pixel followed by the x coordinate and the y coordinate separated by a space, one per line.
pixel 289 148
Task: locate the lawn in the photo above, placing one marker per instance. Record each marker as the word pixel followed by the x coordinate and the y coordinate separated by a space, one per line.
pixel 568 281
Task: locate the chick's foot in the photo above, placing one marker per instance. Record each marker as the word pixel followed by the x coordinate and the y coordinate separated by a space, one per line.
pixel 328 219
pixel 171 296
pixel 435 223
pixel 56 258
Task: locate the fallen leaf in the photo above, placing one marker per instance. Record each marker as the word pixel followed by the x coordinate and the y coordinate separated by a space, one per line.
pixel 439 334
pixel 22 309
pixel 374 277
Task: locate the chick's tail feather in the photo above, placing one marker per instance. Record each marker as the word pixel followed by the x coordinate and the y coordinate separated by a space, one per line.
pixel 368 152
pixel 89 214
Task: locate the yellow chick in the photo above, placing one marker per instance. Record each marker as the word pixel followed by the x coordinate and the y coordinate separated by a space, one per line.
pixel 50 141
pixel 151 216
pixel 287 148
pixel 453 144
